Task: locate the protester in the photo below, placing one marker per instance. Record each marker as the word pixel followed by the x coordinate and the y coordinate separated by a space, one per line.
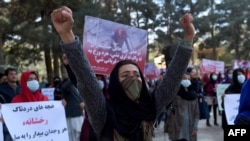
pixel 7 92
pixel 44 83
pixel 57 84
pixel 130 111
pixel 198 88
pixel 57 80
pixel 211 98
pixel 228 76
pixel 195 80
pixel 204 79
pixel 238 79
pixel 30 89
pixel 102 80
pixel 74 105
pixel 87 132
pixel 73 108
pixel 182 122
pixel 3 78
pixel 11 88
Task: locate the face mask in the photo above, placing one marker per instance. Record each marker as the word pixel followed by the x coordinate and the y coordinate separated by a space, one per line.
pixel 101 84
pixel 241 78
pixel 222 76
pixel 185 83
pixel 230 76
pixel 214 77
pixel 33 85
pixel 132 87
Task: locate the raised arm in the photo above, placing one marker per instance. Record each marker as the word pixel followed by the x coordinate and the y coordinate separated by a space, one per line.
pixel 170 84
pixel 70 72
pixel 86 80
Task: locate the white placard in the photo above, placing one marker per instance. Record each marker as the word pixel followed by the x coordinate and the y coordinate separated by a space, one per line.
pixel 49 92
pixel 231 106
pixel 1 127
pixel 36 121
pixel 209 66
pixel 220 90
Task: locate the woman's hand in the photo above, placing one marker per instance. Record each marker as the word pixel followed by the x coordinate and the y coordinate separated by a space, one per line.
pixel 63 21
pixel 64 102
pixel 188 27
pixel 82 105
pixel 194 133
pixel 65 59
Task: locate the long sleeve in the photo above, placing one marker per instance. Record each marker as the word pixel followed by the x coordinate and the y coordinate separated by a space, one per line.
pixel 71 75
pixel 87 84
pixel 169 86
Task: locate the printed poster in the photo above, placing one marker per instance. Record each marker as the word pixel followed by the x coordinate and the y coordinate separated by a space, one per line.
pixel 49 92
pixel 36 121
pixel 209 66
pixel 106 42
pixel 244 64
pixel 231 105
pixel 151 71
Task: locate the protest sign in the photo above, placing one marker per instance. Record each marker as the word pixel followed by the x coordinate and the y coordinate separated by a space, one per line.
pixel 105 43
pixel 220 90
pixel 49 92
pixel 36 121
pixel 151 71
pixel 231 106
pixel 209 66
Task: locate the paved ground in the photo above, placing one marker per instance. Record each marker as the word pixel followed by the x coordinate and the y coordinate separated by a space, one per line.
pixel 214 133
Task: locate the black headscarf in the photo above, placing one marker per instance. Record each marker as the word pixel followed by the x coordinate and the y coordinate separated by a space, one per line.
pixel 235 86
pixel 192 92
pixel 190 95
pixel 126 115
pixel 211 80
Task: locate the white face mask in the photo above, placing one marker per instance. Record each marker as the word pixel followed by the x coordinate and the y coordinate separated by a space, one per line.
pixel 185 83
pixel 214 77
pixel 101 84
pixel 241 78
pixel 222 76
pixel 33 85
pixel 230 76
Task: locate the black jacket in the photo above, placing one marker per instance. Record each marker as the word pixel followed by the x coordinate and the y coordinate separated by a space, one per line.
pixel 73 99
pixel 7 92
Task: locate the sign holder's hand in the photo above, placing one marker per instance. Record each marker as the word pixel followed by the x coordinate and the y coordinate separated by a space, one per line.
pixel 65 59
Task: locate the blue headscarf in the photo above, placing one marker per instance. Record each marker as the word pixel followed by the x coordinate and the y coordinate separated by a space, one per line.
pixel 244 99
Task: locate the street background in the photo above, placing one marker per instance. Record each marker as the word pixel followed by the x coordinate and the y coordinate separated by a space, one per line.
pixel 213 133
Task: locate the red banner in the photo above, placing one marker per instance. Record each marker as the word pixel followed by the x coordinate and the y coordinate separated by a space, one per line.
pixel 209 66
pixel 105 43
pixel 151 71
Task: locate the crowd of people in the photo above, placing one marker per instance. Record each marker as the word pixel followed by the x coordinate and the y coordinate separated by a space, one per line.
pixel 127 106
